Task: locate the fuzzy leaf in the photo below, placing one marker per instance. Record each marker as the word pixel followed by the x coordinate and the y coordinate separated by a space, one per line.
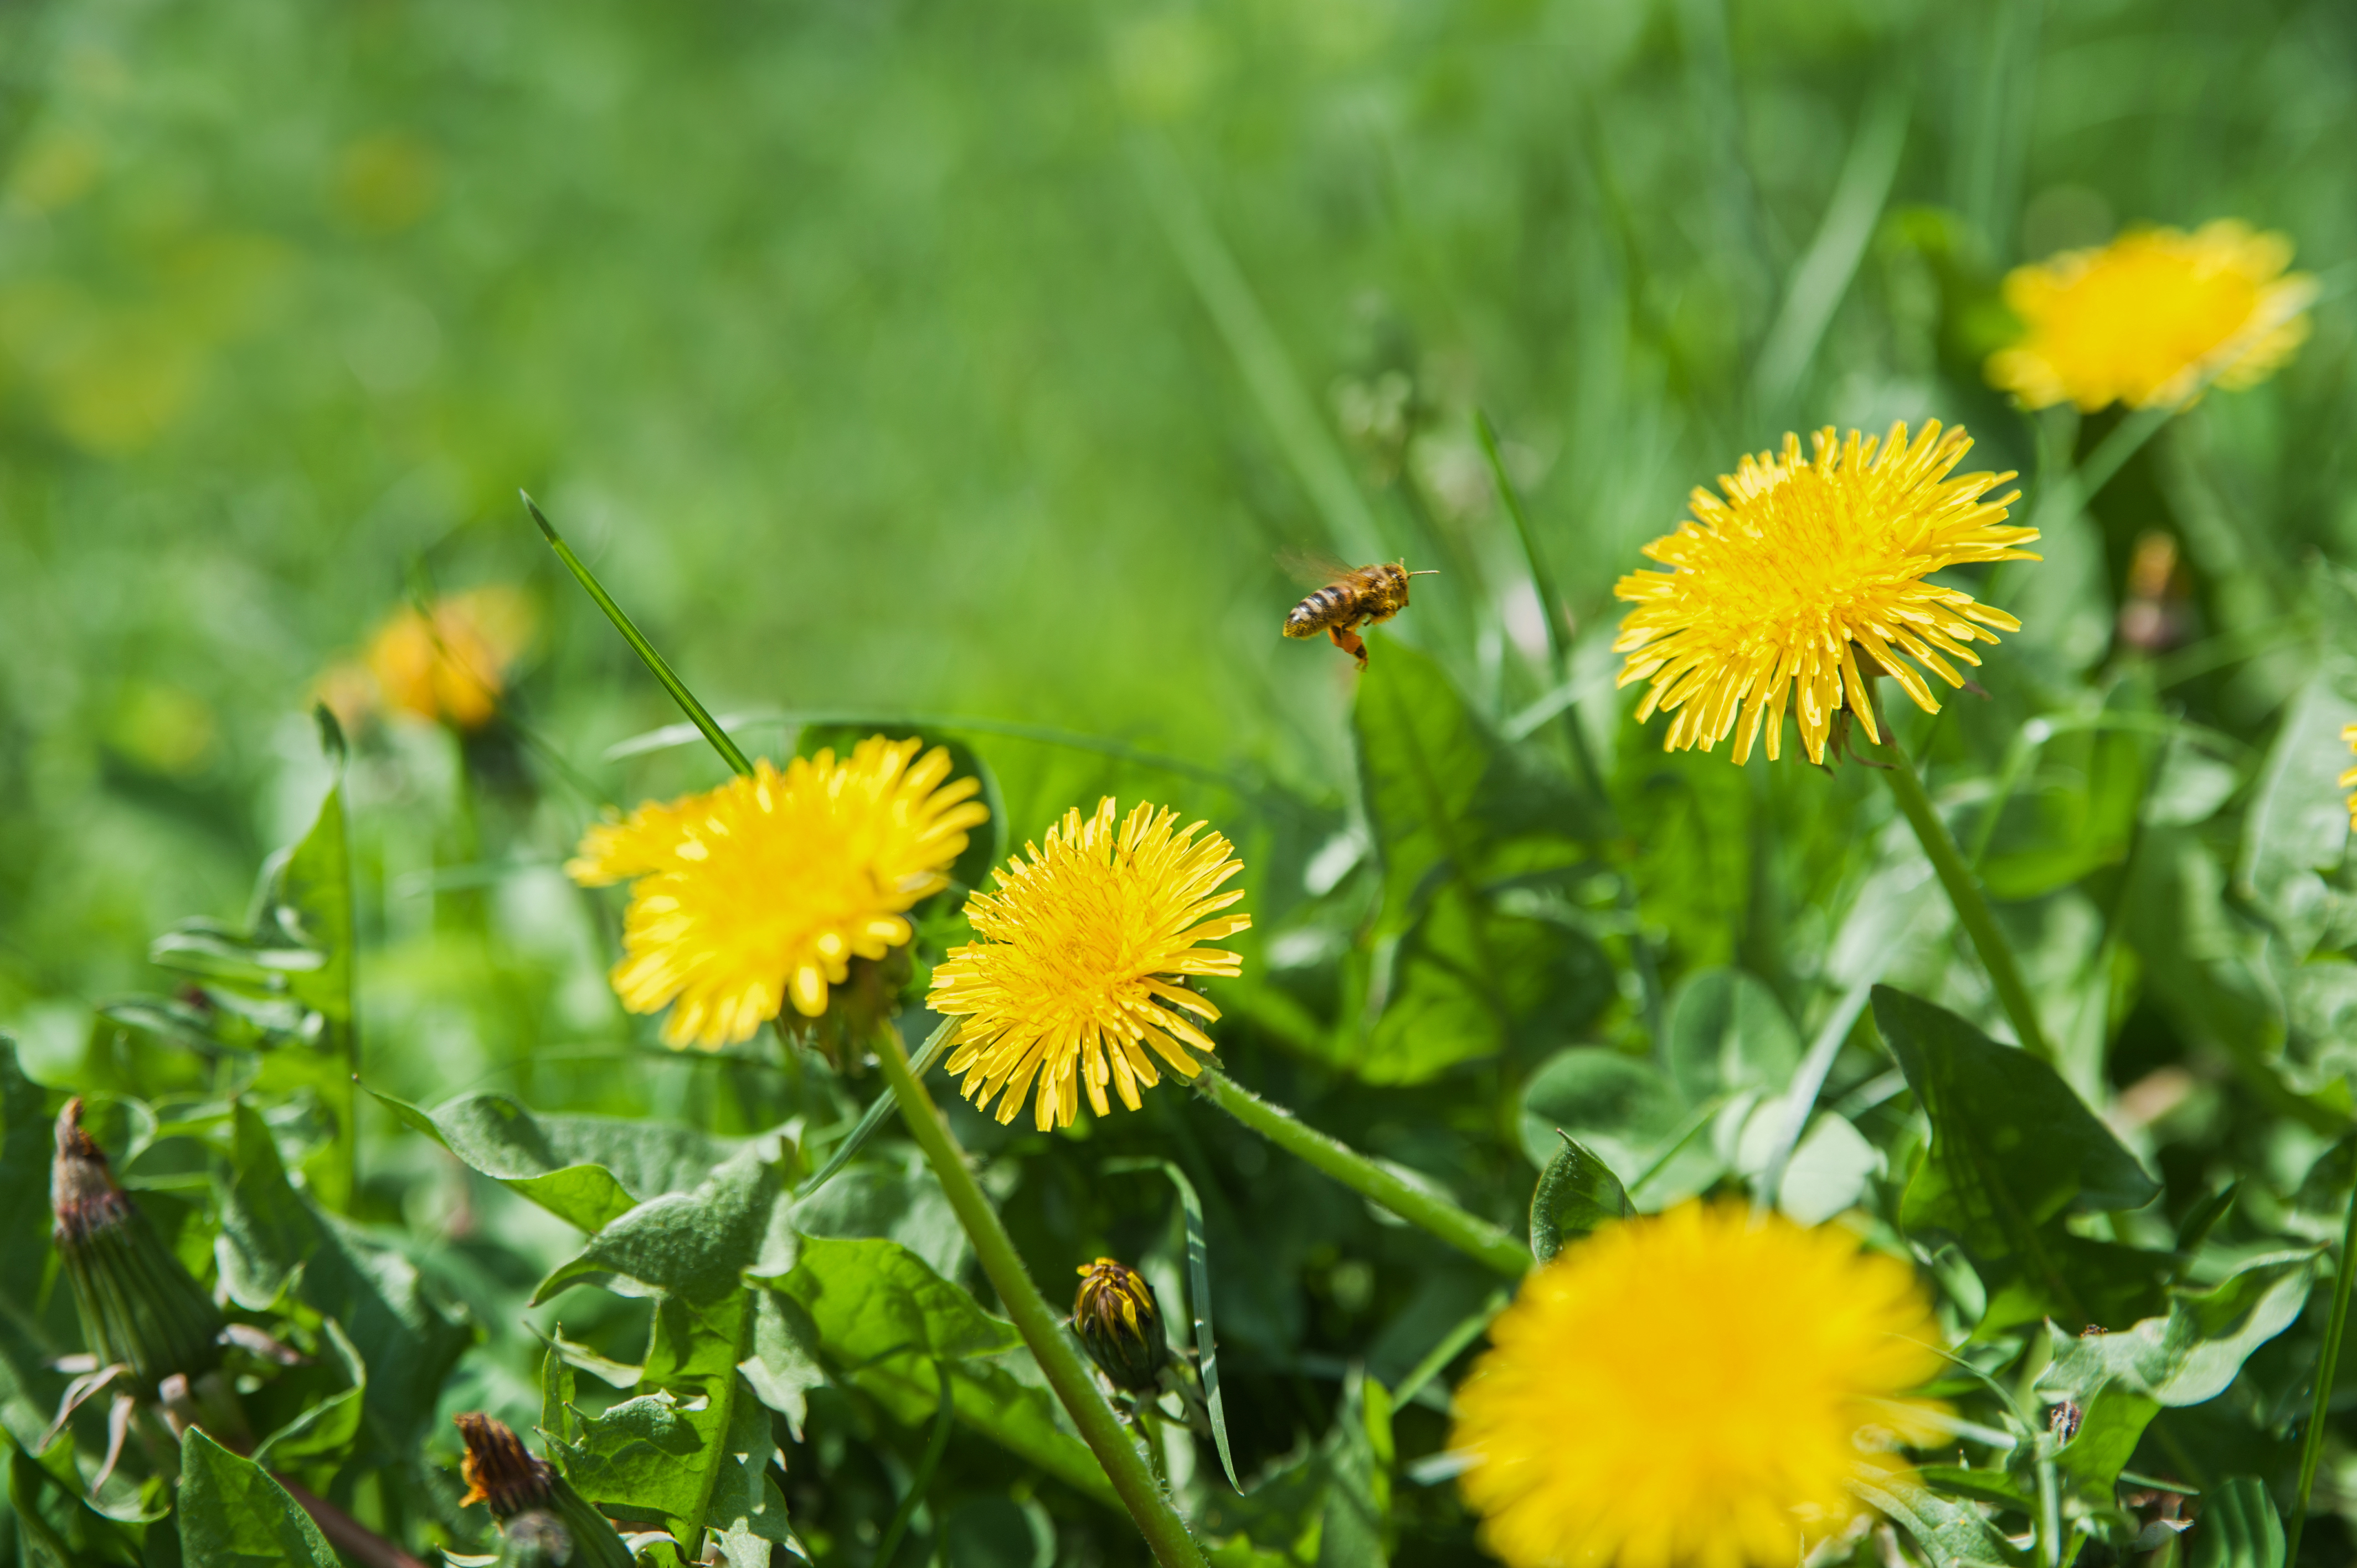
pixel 697 1244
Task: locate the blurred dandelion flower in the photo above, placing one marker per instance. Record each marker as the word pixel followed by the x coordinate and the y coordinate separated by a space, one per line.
pixel 1776 591
pixel 1695 1388
pixel 2145 319
pixel 450 668
pixel 1081 969
pixel 2349 780
pixel 764 890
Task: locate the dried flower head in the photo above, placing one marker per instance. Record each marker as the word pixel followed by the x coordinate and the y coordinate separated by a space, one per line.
pixel 1120 1326
pixel 1693 1389
pixel 764 891
pixel 1809 577
pixel 2149 318
pixel 1080 972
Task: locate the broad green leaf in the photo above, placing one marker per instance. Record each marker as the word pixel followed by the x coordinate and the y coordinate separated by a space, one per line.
pixel 2076 813
pixel 2193 1353
pixel 2012 1147
pixel 2239 1526
pixel 745 1509
pixel 1621 1110
pixel 57 1525
pixel 2298 822
pixel 1950 1532
pixel 1577 1193
pixel 886 1321
pixel 589 1171
pixel 894 1195
pixel 327 1397
pixel 1423 761
pixel 2110 1423
pixel 28 1386
pixel 314 908
pixel 695 1245
pixel 272 1238
pixel 783 1361
pixel 233 1515
pixel 1727 1034
pixel 1995 1487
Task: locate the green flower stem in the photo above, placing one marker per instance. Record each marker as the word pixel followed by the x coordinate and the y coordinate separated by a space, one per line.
pixel 1965 893
pixel 2312 1447
pixel 1102 1430
pixel 1476 1238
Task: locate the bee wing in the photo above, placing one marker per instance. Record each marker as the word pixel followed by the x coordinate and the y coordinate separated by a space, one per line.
pixel 1313 568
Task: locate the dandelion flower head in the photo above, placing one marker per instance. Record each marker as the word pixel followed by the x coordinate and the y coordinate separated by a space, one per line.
pixel 761 892
pixel 2349 780
pixel 2144 319
pixel 1088 940
pixel 1806 577
pixel 451 666
pixel 1693 1390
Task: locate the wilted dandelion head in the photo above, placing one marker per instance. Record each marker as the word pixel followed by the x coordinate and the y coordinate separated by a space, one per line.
pixel 761 892
pixel 1693 1390
pixel 1079 977
pixel 450 667
pixel 2145 319
pixel 1808 576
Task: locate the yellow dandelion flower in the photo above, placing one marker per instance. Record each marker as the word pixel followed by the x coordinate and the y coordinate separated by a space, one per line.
pixel 1770 590
pixel 761 892
pixel 2147 318
pixel 453 667
pixel 1082 966
pixel 1693 1390
pixel 2349 780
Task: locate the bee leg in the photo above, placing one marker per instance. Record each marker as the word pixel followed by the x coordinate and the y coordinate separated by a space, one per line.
pixel 1350 643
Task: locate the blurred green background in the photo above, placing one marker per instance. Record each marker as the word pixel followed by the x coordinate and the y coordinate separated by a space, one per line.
pixel 978 360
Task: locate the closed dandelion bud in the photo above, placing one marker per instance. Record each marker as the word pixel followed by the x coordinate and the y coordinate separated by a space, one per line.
pixel 528 1499
pixel 1120 1326
pixel 140 1306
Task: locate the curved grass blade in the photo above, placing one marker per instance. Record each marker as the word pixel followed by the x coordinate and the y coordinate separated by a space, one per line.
pixel 694 710
pixel 922 1475
pixel 1436 1361
pixel 929 1052
pixel 1199 1299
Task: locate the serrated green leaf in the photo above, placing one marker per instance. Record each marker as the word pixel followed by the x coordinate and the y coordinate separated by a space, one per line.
pixel 273 1237
pixel 233 1515
pixel 589 1171
pixel 696 1245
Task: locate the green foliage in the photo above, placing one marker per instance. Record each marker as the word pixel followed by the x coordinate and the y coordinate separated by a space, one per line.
pixel 232 1513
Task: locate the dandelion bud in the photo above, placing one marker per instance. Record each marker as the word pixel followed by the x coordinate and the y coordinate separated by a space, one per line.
pixel 1120 1326
pixel 542 1518
pixel 140 1307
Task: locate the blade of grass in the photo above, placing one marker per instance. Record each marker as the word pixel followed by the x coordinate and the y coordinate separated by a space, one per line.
pixel 1199 1300
pixel 1436 1361
pixel 922 1475
pixel 2328 1363
pixel 661 671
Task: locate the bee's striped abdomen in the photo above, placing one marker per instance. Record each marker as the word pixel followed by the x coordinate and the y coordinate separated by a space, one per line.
pixel 1329 605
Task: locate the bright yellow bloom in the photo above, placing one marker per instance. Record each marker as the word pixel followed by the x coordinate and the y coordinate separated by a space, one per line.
pixel 452 668
pixel 2145 319
pixel 1693 1390
pixel 764 890
pixel 1083 965
pixel 1769 589
pixel 2349 780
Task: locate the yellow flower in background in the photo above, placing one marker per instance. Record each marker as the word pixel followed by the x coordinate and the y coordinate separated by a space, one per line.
pixel 1694 1391
pixel 2349 780
pixel 2147 318
pixel 1775 592
pixel 761 892
pixel 1081 969
pixel 450 668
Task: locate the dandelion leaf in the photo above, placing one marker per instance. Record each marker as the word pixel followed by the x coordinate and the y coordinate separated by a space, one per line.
pixel 233 1515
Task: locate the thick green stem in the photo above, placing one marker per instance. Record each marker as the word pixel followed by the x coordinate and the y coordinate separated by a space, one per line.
pixel 2312 1447
pixel 1099 1428
pixel 1474 1237
pixel 1971 906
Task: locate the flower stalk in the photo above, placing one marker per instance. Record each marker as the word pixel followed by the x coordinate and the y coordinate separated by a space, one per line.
pixel 1964 895
pixel 1473 1236
pixel 2328 1362
pixel 1165 1533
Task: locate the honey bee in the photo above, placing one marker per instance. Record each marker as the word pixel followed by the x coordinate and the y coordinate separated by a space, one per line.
pixel 1353 597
